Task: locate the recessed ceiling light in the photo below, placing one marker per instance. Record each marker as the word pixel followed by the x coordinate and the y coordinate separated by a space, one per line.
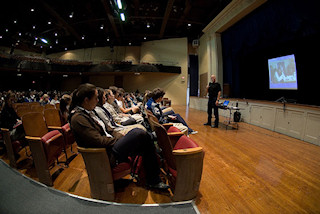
pixel 7 30
pixel 189 25
pixel 101 27
pixel 49 23
pixel 144 38
pixel 71 15
pixel 119 4
pixel 82 37
pixel 57 41
pixel 123 18
pixel 148 25
pixel 33 27
pixel 66 49
pixel 19 34
pixel 55 34
pixel 44 40
pixel 15 21
pixel 32 10
pixel 129 43
pixel 108 39
pixel 50 46
pixel 0 37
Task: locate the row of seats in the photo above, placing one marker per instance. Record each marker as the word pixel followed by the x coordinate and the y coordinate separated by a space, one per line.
pixel 183 161
pixel 47 139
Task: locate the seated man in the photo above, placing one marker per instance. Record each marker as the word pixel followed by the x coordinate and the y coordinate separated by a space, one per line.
pixel 154 106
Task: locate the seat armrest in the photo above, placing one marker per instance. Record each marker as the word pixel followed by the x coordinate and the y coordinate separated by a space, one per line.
pixel 55 127
pixel 91 150
pixel 167 125
pixel 33 138
pixel 188 151
pixel 4 129
pixel 175 134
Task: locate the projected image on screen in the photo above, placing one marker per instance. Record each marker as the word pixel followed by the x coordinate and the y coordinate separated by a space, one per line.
pixel 283 73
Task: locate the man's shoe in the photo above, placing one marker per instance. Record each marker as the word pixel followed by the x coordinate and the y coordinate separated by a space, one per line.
pixel 207 124
pixel 159 186
pixel 193 132
pixel 214 126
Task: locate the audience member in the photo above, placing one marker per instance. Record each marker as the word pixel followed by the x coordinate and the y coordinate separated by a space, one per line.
pixel 54 100
pixel 154 106
pixel 44 100
pixel 10 120
pixel 64 108
pixel 89 131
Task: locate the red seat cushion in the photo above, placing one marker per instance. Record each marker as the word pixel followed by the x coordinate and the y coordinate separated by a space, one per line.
pixel 173 129
pixel 53 144
pixel 121 170
pixel 185 142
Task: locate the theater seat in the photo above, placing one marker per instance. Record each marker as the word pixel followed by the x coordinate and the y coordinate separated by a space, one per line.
pixel 183 162
pixel 45 146
pixel 100 173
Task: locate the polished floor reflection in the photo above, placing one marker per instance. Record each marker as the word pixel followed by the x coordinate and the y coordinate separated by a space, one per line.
pixel 249 170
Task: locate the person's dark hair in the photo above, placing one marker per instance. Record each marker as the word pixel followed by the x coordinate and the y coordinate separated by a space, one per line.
pixel 101 91
pixel 78 95
pixel 6 99
pixel 65 100
pixel 119 93
pixel 157 93
pixel 114 89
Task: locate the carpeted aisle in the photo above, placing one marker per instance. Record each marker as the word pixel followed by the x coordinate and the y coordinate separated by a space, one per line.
pixel 19 194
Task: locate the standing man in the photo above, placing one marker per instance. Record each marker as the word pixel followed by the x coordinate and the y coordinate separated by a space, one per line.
pixel 214 90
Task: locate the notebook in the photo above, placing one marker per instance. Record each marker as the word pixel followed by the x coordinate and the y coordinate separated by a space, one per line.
pixel 225 103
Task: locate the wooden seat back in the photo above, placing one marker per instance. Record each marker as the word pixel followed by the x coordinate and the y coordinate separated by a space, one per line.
pixel 99 172
pixel 52 117
pixel 22 110
pixel 46 106
pixel 37 108
pixel 183 162
pixel 34 124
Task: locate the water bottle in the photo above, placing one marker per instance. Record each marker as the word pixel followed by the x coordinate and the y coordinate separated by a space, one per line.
pixel 237 103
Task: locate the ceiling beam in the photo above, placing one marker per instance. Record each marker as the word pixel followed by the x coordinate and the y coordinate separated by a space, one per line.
pixel 111 19
pixel 60 20
pixel 186 12
pixel 166 17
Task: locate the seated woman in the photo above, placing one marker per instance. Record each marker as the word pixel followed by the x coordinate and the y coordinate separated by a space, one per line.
pixel 107 118
pixel 10 120
pixel 154 106
pixel 90 132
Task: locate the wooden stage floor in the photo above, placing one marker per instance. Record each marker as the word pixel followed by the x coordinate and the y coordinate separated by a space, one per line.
pixel 249 170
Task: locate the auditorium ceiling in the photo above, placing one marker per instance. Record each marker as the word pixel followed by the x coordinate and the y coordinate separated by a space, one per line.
pixel 57 25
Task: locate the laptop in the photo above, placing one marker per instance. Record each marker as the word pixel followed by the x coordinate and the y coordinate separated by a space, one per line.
pixel 225 103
